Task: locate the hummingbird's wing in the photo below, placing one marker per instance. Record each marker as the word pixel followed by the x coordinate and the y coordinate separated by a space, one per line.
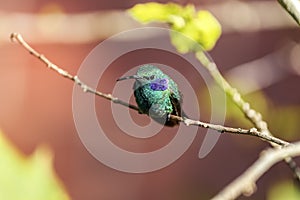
pixel 176 104
pixel 175 111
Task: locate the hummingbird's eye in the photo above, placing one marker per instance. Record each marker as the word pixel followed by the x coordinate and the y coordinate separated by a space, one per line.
pixel 151 77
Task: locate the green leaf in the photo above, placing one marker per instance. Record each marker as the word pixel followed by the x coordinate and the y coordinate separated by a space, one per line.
pixel 190 28
pixel 28 178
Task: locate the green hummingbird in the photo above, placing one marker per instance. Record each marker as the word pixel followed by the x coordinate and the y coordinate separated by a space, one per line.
pixel 156 94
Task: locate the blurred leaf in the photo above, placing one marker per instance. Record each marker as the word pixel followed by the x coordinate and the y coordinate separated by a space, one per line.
pixel 28 178
pixel 283 191
pixel 169 13
pixel 203 28
pixel 284 122
pixel 191 28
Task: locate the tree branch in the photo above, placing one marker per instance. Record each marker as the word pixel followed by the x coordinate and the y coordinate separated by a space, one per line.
pixel 252 132
pixel 245 183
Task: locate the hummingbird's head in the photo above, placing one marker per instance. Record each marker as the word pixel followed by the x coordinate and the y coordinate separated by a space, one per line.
pixel 150 72
pixel 150 75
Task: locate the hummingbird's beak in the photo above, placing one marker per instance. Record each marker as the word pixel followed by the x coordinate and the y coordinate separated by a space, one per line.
pixel 128 77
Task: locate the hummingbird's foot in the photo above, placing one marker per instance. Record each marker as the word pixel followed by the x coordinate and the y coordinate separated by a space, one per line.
pixel 171 122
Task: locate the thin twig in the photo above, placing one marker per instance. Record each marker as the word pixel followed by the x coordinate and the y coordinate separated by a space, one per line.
pixel 252 115
pixel 292 7
pixel 224 129
pixel 252 132
pixel 18 38
pixel 246 183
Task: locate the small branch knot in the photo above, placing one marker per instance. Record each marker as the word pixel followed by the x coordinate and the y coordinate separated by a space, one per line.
pixel 236 96
pixel 253 130
pixel 246 107
pixel 251 113
pixel 249 189
pixel 13 36
pixel 113 99
pixel 76 80
pixel 187 121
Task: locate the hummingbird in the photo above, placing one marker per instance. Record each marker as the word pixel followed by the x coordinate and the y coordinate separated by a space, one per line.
pixel 156 94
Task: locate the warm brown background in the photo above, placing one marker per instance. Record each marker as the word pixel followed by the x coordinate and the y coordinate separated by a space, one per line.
pixel 36 107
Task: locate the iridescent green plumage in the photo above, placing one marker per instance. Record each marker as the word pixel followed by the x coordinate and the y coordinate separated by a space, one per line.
pixel 156 94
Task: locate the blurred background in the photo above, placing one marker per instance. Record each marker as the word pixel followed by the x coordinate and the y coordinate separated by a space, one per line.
pixel 258 52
